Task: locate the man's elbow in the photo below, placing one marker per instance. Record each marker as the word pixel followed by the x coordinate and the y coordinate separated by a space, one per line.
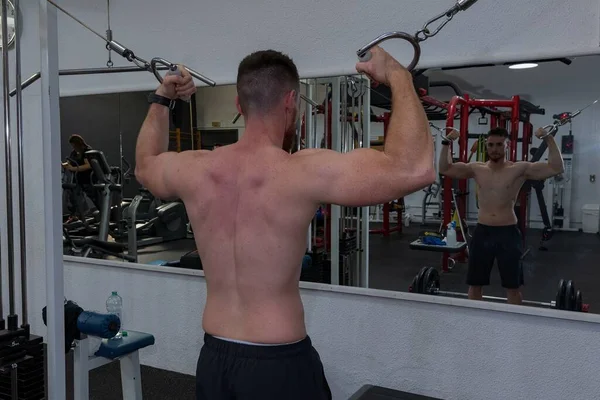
pixel 426 176
pixel 142 173
pixel 557 169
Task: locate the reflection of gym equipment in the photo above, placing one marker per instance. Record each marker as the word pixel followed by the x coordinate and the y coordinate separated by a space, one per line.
pixel 106 183
pixel 427 281
pixel 80 325
pixel 431 192
pixel 169 223
pixel 537 153
pixel 460 246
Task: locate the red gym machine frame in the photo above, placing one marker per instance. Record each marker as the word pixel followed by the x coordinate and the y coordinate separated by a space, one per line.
pixel 385 119
pixel 464 104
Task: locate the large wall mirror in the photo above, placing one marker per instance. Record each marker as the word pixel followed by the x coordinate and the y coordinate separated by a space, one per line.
pixel 399 246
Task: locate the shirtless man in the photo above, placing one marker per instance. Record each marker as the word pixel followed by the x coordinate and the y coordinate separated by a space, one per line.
pixel 499 182
pixel 255 343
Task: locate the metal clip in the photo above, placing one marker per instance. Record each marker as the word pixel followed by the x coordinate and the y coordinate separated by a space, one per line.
pixel 461 5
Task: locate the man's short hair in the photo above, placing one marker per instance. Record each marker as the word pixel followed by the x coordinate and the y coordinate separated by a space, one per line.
pixel 264 77
pixel 498 132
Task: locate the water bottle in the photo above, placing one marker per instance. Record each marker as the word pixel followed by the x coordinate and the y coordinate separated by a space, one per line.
pixel 114 305
pixel 451 234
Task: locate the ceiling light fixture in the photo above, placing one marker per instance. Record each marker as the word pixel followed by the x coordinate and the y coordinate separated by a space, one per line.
pixel 523 66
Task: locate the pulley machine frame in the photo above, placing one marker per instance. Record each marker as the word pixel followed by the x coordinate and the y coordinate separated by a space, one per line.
pixel 337 138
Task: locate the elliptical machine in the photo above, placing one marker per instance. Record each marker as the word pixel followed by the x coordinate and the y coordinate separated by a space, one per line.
pixel 165 222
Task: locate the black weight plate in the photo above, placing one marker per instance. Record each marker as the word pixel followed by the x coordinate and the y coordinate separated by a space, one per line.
pixel 419 286
pixel 570 296
pixel 431 281
pixel 427 281
pixel 578 301
pixel 560 294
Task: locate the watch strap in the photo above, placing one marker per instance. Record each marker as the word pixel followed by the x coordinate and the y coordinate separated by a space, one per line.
pixel 162 100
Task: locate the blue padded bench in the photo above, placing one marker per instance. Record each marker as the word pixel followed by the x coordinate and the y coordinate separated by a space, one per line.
pixel 126 350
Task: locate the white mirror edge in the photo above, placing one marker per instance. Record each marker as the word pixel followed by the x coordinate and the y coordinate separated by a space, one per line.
pixel 404 296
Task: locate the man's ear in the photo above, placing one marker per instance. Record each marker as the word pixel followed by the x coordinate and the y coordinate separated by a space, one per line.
pixel 237 104
pixel 291 99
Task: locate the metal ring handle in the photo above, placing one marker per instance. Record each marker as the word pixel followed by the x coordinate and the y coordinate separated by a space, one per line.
pixel 446 128
pixel 364 54
pixel 161 61
pixel 173 67
pixel 551 129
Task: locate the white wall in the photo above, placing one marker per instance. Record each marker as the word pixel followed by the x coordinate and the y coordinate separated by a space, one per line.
pixel 384 338
pixel 321 37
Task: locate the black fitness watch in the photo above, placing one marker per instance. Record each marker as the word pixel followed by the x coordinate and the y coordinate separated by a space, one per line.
pixel 445 142
pixel 162 100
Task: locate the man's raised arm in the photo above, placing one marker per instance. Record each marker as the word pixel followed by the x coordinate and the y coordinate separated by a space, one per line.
pixel 554 165
pixel 366 176
pixel 156 168
pixel 446 165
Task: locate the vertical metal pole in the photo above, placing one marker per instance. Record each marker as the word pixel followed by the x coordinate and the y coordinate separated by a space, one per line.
pixel 20 167
pixel 308 136
pixel 12 318
pixel 366 143
pixel 52 201
pixel 514 127
pixel 6 103
pixel 335 209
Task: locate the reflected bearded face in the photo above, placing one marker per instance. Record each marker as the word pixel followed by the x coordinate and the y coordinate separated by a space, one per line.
pixel 496 147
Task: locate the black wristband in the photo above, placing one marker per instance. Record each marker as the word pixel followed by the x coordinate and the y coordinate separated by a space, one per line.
pixel 163 101
pixel 445 142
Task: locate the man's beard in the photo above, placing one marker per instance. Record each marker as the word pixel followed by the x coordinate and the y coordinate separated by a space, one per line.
pixel 496 158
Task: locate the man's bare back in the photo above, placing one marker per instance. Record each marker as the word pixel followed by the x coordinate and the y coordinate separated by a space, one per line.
pixel 250 222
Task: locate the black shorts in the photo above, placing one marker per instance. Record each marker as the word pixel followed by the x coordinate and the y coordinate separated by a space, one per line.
pixel 501 243
pixel 228 370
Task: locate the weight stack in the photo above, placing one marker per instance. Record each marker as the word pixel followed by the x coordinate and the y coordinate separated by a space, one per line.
pixel 348 258
pixel 22 365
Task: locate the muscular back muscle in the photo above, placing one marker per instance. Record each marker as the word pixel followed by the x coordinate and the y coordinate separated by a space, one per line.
pixel 253 279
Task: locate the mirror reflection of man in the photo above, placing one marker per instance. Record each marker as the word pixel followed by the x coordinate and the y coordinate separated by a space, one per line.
pixel 497 236
pixel 79 165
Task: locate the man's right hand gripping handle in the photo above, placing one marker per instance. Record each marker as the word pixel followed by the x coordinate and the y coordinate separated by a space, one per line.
pixel 408 140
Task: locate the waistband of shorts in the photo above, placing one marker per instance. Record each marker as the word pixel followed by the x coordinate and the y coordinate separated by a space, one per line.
pixel 257 351
pixel 511 226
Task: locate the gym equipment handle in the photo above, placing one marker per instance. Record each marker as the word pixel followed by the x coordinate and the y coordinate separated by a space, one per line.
pixel 364 54
pixel 173 69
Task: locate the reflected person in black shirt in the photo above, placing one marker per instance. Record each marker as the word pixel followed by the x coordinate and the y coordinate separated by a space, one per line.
pixel 80 166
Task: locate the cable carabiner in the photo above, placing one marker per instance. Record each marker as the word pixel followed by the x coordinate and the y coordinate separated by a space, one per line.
pixel 364 54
